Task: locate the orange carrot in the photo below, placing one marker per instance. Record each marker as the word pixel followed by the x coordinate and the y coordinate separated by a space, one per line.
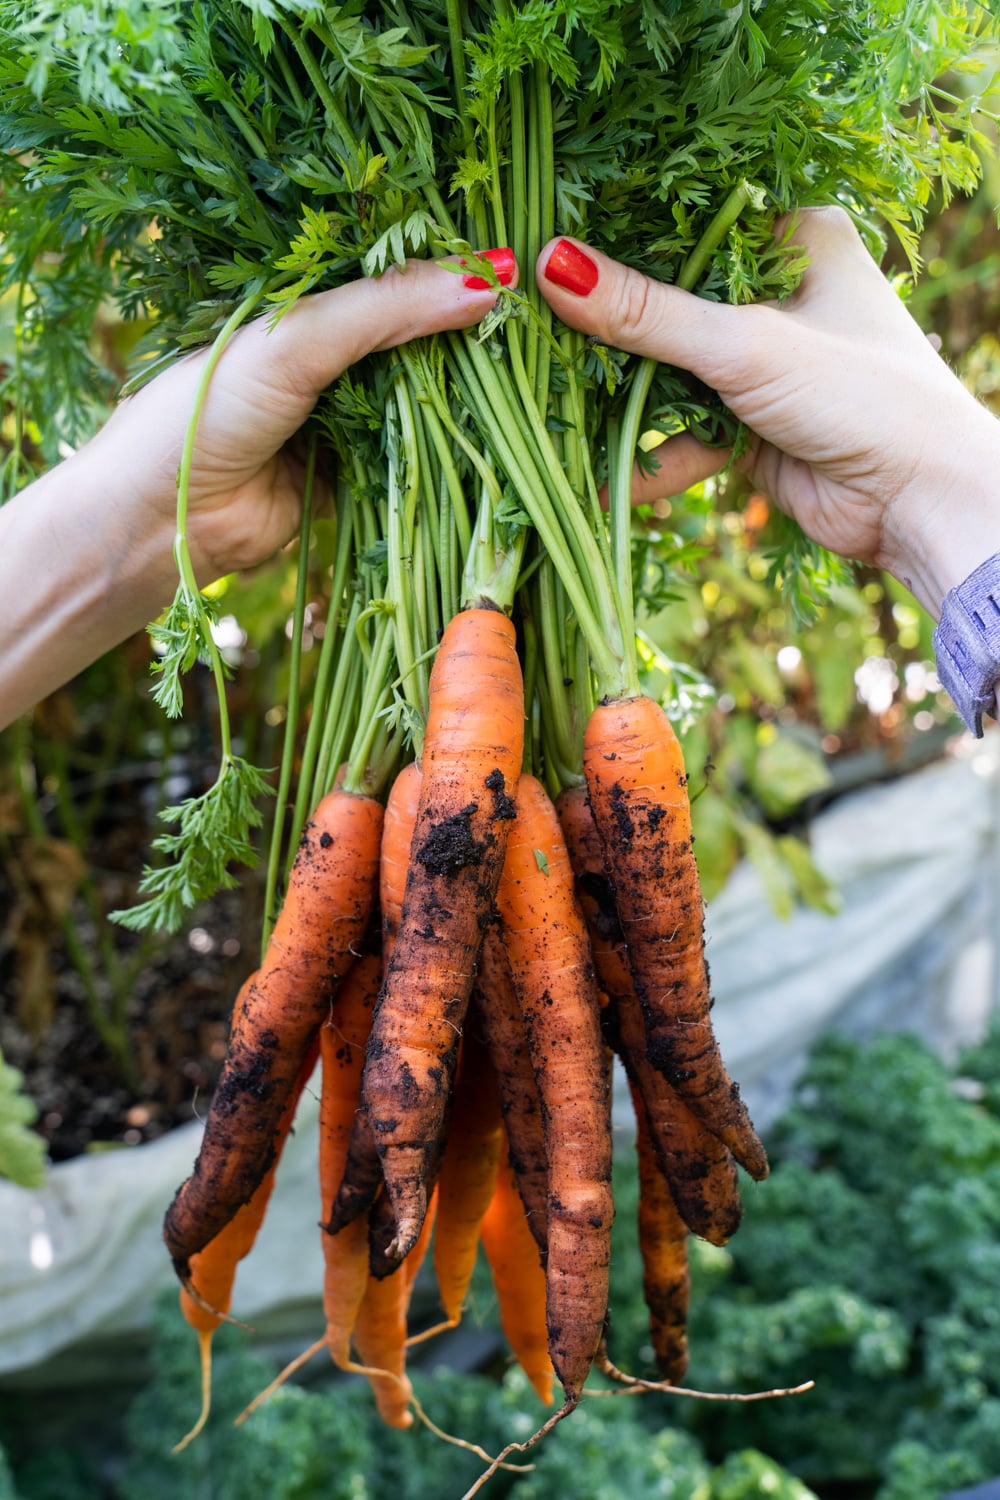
pixel 699 1168
pixel 380 1340
pixel 638 793
pixel 380 1329
pixel 663 1246
pixel 471 757
pixel 410 1267
pixel 468 1171
pixel 362 1175
pixel 383 1239
pixel 503 1027
pixel 343 1040
pixel 518 1279
pixel 554 977
pixel 322 925
pixel 213 1269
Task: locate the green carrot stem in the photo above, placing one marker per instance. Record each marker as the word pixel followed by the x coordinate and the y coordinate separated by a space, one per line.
pixel 550 613
pixel 341 712
pixel 575 551
pixel 447 551
pixel 623 441
pixel 529 636
pixel 318 80
pixel 493 564
pixel 543 153
pixel 246 130
pixel 355 775
pixel 442 426
pixel 399 536
pixel 331 636
pixel 519 174
pixel 182 553
pixel 715 232
pixel 291 83
pixel 292 709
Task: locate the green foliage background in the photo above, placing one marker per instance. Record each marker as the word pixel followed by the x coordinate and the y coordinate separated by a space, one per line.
pixel 868 1263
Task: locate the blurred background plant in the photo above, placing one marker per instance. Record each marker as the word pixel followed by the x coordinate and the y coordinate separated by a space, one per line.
pixel 868 1264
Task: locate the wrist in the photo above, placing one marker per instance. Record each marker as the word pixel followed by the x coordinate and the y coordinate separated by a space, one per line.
pixel 130 531
pixel 83 565
pixel 946 522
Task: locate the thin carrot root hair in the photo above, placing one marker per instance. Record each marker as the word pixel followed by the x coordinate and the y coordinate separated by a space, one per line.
pixel 205 1355
pixel 500 1461
pixel 351 1367
pixel 457 1442
pixel 634 1385
pixel 430 1333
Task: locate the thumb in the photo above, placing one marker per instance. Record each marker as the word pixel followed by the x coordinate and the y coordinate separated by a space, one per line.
pixel 323 334
pixel 630 311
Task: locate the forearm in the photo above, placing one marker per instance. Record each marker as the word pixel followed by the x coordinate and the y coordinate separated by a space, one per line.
pixel 82 566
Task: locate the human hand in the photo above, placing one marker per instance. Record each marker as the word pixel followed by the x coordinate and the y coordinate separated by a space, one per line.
pixel 862 433
pixel 95 534
pixel 246 485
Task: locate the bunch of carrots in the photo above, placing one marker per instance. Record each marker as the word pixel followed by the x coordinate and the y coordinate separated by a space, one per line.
pixel 495 892
pixel 481 883
pixel 465 960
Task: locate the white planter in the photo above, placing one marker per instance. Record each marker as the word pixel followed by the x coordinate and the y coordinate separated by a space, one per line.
pixel 82 1258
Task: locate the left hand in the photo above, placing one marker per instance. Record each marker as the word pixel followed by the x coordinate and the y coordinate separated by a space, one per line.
pixel 246 484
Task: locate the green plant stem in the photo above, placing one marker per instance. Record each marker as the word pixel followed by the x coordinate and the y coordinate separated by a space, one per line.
pixel 376 685
pixel 182 554
pixel 339 711
pixel 542 156
pixel 402 490
pixel 550 615
pixel 318 80
pixel 623 440
pixel 332 634
pixel 246 130
pixel 498 415
pixel 493 565
pixel 292 708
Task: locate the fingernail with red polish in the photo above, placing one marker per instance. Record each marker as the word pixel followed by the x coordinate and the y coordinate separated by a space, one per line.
pixel 570 267
pixel 503 263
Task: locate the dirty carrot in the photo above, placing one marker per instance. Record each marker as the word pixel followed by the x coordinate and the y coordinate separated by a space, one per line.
pixel 698 1166
pixel 502 1023
pixel 554 977
pixel 663 1246
pixel 472 753
pixel 362 1175
pixel 322 925
pixel 213 1269
pixel 343 1039
pixel 638 793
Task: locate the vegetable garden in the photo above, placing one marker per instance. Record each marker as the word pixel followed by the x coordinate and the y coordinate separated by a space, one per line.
pixel 446 760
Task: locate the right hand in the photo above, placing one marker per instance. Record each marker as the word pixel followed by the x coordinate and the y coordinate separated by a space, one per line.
pixel 861 432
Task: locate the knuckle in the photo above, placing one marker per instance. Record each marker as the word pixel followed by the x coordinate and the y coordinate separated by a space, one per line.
pixel 632 312
pixel 827 222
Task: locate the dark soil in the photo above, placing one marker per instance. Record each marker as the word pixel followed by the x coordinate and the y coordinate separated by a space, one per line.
pixel 175 1007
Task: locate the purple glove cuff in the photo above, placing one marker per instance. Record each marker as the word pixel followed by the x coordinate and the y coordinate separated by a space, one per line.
pixel 967 644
